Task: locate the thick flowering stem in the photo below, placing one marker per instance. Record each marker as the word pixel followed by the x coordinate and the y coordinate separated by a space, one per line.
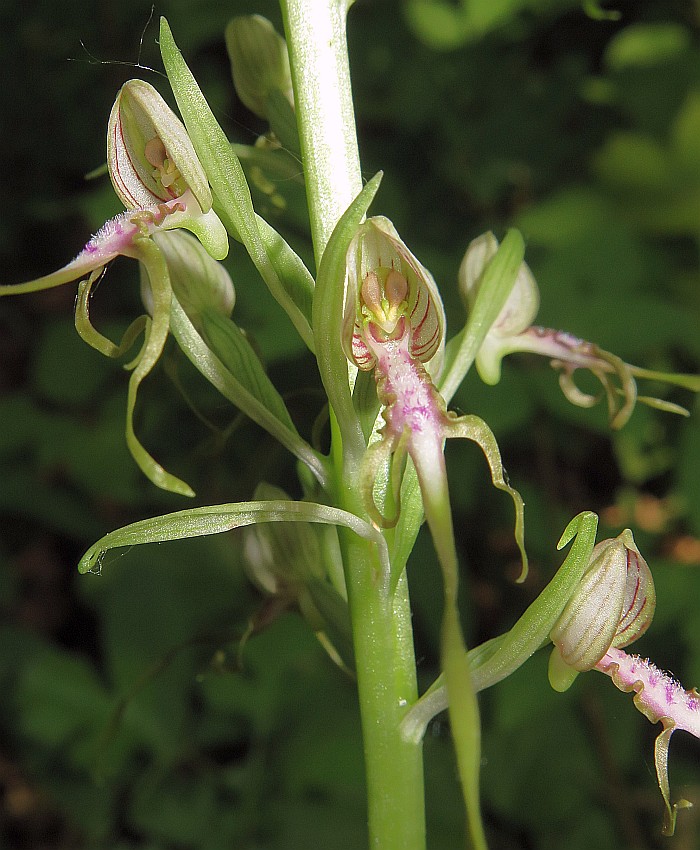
pixel 325 116
pixel 660 698
pixel 381 621
pixel 416 422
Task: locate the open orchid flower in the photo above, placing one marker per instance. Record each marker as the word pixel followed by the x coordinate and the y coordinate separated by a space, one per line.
pixel 394 324
pixel 613 606
pixel 152 161
pixel 158 177
pixel 513 331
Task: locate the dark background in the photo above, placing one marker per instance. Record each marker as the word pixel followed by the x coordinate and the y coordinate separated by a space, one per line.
pixel 125 720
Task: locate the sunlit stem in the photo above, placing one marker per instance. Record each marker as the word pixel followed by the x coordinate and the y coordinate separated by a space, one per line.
pixel 381 621
pixel 326 119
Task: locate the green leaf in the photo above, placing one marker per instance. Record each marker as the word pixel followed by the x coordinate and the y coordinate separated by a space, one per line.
pixel 216 519
pixel 293 274
pixel 231 387
pixel 643 45
pixel 225 173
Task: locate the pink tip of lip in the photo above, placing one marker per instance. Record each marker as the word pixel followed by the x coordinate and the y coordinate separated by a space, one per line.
pixel 657 694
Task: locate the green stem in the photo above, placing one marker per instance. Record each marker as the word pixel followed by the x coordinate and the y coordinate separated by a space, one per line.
pixel 386 680
pixel 323 101
pixel 381 621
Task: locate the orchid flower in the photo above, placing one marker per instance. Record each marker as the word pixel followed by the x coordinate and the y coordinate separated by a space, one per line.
pixel 613 606
pixel 158 177
pixel 394 324
pixel 513 331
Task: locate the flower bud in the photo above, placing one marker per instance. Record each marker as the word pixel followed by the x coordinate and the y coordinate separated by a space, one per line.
pixel 279 557
pixel 522 305
pixel 259 62
pixel 149 153
pixel 612 606
pixel 385 284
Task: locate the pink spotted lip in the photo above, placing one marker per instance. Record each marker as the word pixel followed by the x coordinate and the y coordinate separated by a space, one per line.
pixel 657 694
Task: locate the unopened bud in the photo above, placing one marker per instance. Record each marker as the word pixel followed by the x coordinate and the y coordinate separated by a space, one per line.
pixel 522 305
pixel 612 606
pixel 259 62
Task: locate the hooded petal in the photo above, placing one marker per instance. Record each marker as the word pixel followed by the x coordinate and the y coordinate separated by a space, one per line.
pixel 377 249
pixel 149 153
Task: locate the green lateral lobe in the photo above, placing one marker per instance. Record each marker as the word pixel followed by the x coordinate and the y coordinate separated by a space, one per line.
pixel 89 333
pixel 499 277
pixel 216 519
pixel 328 305
pixel 225 174
pixel 156 335
pixel 231 387
pixel 498 658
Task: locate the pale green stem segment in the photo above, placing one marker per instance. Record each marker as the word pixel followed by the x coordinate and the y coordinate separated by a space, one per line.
pixel 499 276
pixel 381 620
pixel 326 120
pixel 225 173
pixel 498 658
pixel 215 519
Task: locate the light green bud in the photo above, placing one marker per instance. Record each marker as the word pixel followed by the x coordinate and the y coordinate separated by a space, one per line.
pixel 200 283
pixel 259 62
pixel 612 606
pixel 280 557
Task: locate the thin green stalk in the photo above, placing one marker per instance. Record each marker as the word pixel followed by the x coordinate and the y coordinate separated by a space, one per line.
pixel 381 620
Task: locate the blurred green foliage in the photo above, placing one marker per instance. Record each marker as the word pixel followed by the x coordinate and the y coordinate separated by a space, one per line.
pixel 126 719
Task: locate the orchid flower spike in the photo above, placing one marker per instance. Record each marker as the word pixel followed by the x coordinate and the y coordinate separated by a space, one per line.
pixel 394 324
pixel 613 606
pixel 156 173
pixel 513 331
